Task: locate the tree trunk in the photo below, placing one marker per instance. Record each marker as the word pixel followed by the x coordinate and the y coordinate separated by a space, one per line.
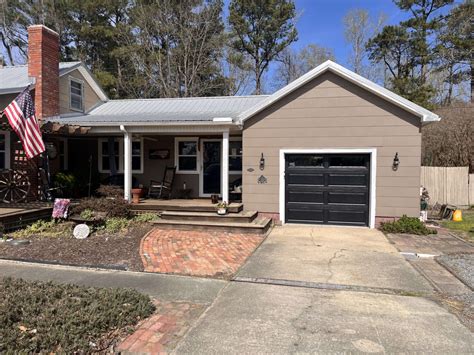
pixel 258 88
pixel 472 82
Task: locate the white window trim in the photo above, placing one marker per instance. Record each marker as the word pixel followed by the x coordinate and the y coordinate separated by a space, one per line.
pixel 120 155
pixel 236 172
pixel 66 153
pixel 176 155
pixel 71 79
pixel 7 148
pixel 373 174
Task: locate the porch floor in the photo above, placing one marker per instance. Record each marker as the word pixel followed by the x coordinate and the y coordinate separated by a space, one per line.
pixel 17 215
pixel 193 205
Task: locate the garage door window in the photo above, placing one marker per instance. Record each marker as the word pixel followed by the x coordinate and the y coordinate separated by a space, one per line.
pixel 305 161
pixel 347 160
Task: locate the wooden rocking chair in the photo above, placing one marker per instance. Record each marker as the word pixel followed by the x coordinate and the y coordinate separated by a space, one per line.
pixel 162 189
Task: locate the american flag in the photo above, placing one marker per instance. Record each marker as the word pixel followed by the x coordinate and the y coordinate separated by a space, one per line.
pixel 21 116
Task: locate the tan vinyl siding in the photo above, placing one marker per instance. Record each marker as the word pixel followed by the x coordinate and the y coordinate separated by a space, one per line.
pixel 90 98
pixel 330 112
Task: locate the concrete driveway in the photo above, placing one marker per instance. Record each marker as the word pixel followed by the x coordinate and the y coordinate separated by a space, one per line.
pixel 258 315
pixel 267 319
pixel 345 256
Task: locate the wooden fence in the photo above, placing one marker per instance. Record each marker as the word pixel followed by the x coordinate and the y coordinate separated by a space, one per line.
pixel 453 186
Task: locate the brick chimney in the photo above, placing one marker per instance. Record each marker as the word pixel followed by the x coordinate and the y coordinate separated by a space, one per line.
pixel 43 65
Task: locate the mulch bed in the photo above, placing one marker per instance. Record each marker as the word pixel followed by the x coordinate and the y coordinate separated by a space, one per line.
pixel 116 251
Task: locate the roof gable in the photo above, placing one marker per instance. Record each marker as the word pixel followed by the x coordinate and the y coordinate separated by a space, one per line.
pixel 422 113
pixel 14 79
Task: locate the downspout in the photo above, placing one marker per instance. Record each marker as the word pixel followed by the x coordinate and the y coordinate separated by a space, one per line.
pixel 127 166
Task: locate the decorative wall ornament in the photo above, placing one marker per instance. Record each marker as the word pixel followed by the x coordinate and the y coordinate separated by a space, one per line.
pixel 262 180
pixel 262 163
pixel 396 162
pixel 154 154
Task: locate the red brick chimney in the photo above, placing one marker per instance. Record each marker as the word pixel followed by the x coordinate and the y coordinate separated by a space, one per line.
pixel 43 64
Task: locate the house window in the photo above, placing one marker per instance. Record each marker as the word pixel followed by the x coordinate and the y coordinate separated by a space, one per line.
pixel 186 155
pixel 62 153
pixel 105 155
pixel 235 156
pixel 4 150
pixel 76 94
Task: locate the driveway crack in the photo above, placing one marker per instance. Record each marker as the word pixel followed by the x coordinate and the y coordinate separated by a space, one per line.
pixel 337 254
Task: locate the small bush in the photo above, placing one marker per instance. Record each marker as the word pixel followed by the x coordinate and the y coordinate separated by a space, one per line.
pixel 87 214
pixel 145 217
pixel 43 228
pixel 40 317
pixel 111 208
pixel 116 224
pixel 408 225
pixel 110 191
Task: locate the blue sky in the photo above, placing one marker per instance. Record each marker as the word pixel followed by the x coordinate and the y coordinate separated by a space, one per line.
pixel 320 21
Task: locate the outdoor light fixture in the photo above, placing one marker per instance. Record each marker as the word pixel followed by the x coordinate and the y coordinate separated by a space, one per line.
pixel 262 162
pixel 396 162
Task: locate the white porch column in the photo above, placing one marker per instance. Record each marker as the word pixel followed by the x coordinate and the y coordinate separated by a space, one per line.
pixel 225 166
pixel 127 164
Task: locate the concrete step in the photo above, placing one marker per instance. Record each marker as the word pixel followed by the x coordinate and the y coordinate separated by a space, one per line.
pixel 241 217
pixel 234 207
pixel 259 225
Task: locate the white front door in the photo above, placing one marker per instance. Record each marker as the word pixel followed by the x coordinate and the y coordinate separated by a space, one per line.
pixel 210 173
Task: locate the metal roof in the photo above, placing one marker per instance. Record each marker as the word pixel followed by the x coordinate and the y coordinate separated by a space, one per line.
pixel 148 111
pixel 14 79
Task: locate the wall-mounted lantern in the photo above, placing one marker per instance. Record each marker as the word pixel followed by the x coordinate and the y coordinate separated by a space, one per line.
pixel 396 162
pixel 262 162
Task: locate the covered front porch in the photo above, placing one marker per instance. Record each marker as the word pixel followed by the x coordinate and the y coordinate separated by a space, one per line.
pixel 207 159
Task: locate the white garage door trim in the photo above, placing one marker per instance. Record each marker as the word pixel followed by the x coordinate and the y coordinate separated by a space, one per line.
pixel 373 174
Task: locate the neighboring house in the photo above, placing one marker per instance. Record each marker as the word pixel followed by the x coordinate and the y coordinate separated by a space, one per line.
pixel 320 150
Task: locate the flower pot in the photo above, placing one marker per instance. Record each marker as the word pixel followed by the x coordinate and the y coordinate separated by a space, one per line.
pixel 222 211
pixel 136 194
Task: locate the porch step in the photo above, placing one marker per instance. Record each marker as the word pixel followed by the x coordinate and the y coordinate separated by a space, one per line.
pixel 241 217
pixel 184 206
pixel 259 225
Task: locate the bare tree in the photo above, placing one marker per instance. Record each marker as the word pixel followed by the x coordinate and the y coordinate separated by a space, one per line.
pixel 293 64
pixel 173 49
pixel 358 29
pixel 450 142
pixel 238 71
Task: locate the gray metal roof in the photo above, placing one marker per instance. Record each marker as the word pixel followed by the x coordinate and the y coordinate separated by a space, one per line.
pixel 148 111
pixel 14 79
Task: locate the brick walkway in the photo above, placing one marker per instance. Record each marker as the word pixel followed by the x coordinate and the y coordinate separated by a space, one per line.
pixel 160 333
pixel 211 254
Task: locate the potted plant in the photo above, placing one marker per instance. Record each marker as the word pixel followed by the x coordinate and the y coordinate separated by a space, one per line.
pixel 136 194
pixel 222 208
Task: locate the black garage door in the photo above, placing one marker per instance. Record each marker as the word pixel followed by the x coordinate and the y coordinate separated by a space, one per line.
pixel 327 188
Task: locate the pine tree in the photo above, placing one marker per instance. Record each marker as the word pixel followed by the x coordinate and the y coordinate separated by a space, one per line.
pixel 262 29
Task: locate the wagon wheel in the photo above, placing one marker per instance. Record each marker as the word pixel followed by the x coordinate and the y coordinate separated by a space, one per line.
pixel 14 186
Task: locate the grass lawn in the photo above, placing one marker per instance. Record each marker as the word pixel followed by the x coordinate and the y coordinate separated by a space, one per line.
pixel 39 317
pixel 466 226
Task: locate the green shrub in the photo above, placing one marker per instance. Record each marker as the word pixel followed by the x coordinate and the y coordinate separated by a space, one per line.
pixel 409 225
pixel 116 224
pixel 111 208
pixel 39 317
pixel 145 217
pixel 44 228
pixel 87 214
